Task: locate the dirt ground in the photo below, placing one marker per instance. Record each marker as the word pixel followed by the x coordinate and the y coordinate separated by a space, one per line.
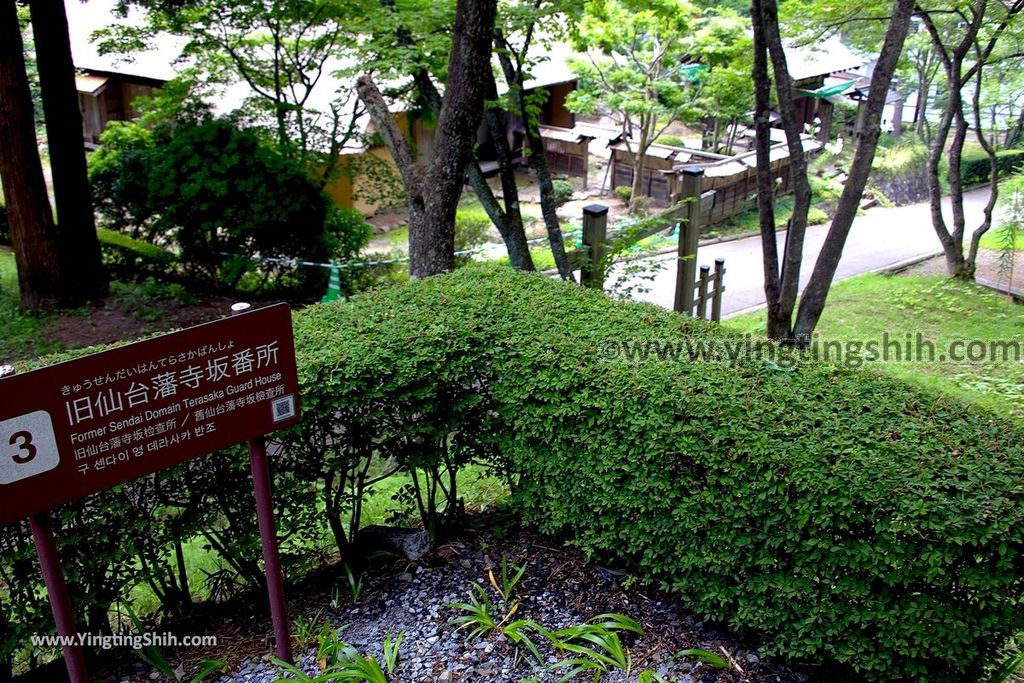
pixel 559 588
pixel 988 271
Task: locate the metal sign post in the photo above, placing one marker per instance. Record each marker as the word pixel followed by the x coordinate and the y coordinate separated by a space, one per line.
pixel 60 601
pixel 76 428
pixel 268 537
pixel 56 585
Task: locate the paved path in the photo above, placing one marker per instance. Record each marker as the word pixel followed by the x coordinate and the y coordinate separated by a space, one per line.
pixel 879 238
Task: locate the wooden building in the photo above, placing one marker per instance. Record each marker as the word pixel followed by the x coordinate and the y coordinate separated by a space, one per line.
pixel 734 178
pixel 658 167
pixel 105 96
pixel 567 150
pixel 812 68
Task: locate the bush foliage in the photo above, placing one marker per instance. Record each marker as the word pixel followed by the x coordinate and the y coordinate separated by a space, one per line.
pixel 128 259
pixel 222 197
pixel 976 168
pixel 563 191
pixel 848 517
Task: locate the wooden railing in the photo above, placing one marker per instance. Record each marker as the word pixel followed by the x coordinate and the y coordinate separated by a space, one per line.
pixel 692 292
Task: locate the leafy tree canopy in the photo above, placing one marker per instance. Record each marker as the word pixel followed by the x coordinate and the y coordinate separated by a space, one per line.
pixel 218 194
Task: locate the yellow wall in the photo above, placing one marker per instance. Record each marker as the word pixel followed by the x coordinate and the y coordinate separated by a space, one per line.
pixel 345 190
pixel 350 189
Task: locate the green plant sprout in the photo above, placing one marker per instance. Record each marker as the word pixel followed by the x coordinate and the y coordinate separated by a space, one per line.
pixel 355 583
pixel 479 614
pixel 152 655
pixel 339 661
pixel 508 581
pixel 595 646
pixel 392 645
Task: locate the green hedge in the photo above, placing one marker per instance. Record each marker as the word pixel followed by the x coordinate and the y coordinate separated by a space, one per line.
pixel 848 517
pixel 129 259
pixel 975 167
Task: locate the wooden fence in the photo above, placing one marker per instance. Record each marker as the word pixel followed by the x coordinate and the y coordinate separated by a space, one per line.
pixel 734 179
pixel 693 291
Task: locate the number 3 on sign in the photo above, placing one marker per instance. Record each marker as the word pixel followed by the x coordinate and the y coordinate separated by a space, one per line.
pixel 27 447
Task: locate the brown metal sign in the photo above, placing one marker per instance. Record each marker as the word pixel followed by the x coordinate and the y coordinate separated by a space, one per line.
pixel 72 429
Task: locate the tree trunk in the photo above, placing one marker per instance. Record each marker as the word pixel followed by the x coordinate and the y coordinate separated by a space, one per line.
pixel 971 261
pixel 639 157
pixel 812 303
pixel 778 323
pixel 36 249
pixel 434 191
pixel 920 111
pixel 182 585
pixel 792 259
pixel 510 221
pixel 547 203
pixel 84 275
pixel 1013 135
pixel 538 159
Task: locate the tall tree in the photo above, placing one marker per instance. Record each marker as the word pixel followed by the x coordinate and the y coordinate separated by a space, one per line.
pixel 726 96
pixel 516 39
pixel 781 284
pixel 36 249
pixel 965 37
pixel 434 185
pixel 425 49
pixel 84 275
pixel 634 53
pixel 281 51
pixel 923 65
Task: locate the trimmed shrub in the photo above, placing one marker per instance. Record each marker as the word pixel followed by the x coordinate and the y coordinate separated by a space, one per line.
pixel 412 395
pixel 563 190
pixel 975 167
pixel 129 259
pixel 624 193
pixel 671 141
pixel 849 517
pixel 816 216
pixel 845 516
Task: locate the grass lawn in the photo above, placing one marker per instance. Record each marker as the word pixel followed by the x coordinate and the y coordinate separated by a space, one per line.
pixel 943 311
pixel 21 333
pixel 994 239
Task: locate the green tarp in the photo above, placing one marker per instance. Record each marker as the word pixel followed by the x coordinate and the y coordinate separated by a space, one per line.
pixel 828 90
pixel 692 72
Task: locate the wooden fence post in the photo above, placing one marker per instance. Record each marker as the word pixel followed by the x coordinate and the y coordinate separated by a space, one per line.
pixel 716 297
pixel 686 265
pixel 595 235
pixel 702 292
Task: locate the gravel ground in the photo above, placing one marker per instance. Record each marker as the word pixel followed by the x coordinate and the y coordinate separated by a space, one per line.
pixel 987 269
pixel 559 589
